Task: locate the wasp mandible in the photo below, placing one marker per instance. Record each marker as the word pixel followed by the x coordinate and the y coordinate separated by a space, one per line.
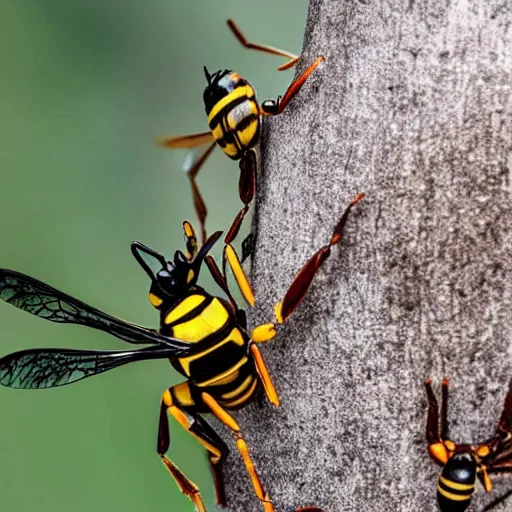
pixel 234 119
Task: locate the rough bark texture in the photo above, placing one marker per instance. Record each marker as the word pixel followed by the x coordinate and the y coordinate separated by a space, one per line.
pixel 413 106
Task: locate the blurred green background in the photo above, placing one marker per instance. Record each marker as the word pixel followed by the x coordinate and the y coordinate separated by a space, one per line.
pixel 85 87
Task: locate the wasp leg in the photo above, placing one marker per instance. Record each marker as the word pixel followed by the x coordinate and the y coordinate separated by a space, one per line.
pixel 437 428
pixel 505 423
pixel 220 279
pixel 222 415
pixel 199 428
pixel 199 204
pixel 432 433
pixel 190 240
pixel 302 281
pixel 264 375
pixel 229 256
pixel 263 47
pixel 246 191
pixel 275 107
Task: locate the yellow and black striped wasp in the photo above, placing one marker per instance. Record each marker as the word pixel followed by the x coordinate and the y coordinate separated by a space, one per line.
pixel 234 118
pixel 463 463
pixel 204 337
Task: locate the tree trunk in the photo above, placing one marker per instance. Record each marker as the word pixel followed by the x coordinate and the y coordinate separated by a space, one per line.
pixel 412 107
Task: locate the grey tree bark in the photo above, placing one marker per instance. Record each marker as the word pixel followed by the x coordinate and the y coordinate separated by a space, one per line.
pixel 413 107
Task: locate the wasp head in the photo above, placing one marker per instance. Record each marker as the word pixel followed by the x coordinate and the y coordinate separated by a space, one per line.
pixel 170 280
pixel 219 85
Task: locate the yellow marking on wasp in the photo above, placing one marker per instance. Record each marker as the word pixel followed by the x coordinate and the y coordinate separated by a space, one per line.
pixel 453 497
pixel 225 377
pixel 185 361
pixel 261 368
pixel 167 398
pixel 179 416
pixel 483 450
pixel 190 276
pixel 450 445
pixel 155 301
pixel 247 134
pixel 184 307
pixel 244 397
pixel 238 92
pixel 182 394
pixel 267 505
pixel 238 272
pixel 277 312
pixel 199 504
pixel 219 412
pixel 230 150
pixel 238 390
pixel 236 337
pixel 487 480
pixel 188 230
pixel 455 485
pixel 218 132
pixel 249 465
pixel 211 319
pixel 262 333
pixel 438 453
pixel 254 107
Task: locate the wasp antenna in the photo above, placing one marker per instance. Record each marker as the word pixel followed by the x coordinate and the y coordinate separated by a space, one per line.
pixel 207 75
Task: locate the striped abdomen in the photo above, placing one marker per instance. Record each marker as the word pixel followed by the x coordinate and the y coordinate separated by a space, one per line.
pixel 457 483
pixel 233 114
pixel 207 321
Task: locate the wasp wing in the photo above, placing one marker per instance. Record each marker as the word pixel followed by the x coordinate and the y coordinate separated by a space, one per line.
pixel 46 302
pixel 186 141
pixel 49 368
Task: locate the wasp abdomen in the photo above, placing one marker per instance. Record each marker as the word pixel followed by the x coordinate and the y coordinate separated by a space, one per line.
pixel 457 483
pixel 233 114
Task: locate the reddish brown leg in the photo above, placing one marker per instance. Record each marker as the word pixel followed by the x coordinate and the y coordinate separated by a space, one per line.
pixel 432 433
pixel 246 190
pixel 444 410
pixel 505 423
pixel 201 430
pixel 199 203
pixel 309 509
pixel 262 47
pixel 302 281
pixel 439 447
pixel 220 279
pixel 274 107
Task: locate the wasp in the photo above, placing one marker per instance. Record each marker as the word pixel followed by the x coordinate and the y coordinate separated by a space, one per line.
pixel 463 463
pixel 203 336
pixel 234 121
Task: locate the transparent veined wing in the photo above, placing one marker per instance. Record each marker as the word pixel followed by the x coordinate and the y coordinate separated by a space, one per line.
pixel 49 368
pixel 42 300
